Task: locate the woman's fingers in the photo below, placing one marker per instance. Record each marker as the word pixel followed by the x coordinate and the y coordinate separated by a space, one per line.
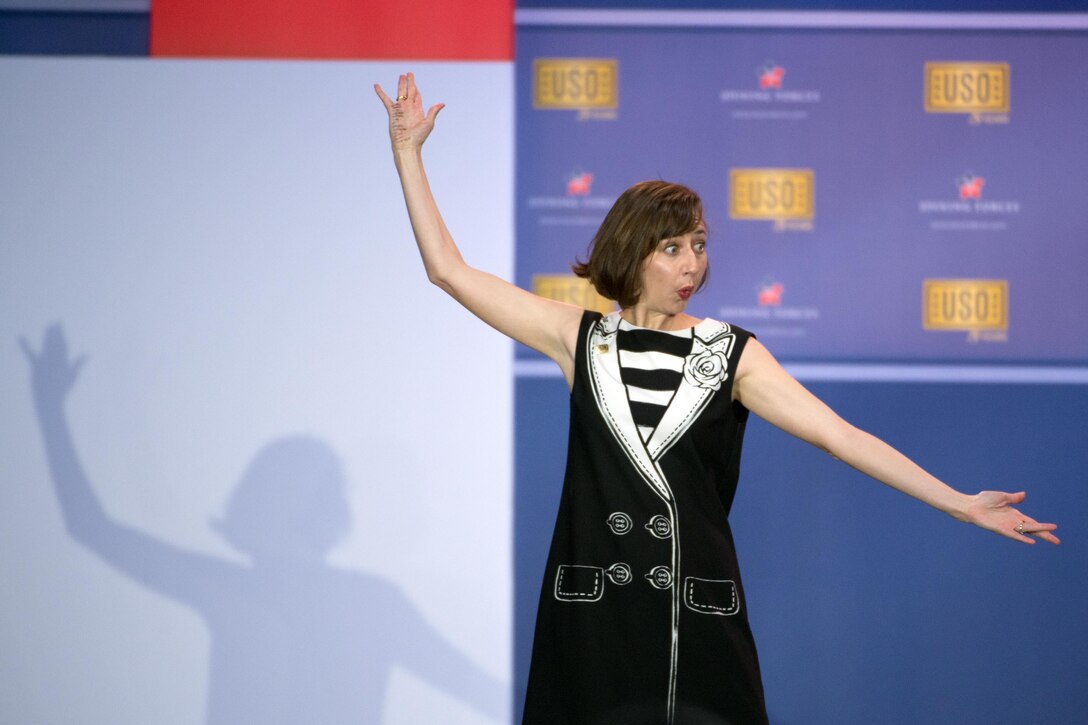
pixel 1029 527
pixel 406 90
pixel 385 99
pixel 408 124
pixel 1041 531
pixel 1049 537
pixel 402 92
pixel 994 510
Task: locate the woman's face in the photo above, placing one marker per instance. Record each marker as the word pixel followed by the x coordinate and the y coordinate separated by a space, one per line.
pixel 673 271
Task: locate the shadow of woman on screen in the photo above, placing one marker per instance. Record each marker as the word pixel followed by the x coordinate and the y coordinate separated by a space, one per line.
pixel 293 640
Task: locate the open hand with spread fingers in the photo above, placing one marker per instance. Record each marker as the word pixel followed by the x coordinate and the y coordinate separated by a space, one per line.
pixel 409 127
pixel 993 510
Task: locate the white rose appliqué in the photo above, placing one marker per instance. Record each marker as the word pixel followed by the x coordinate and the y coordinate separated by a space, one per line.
pixel 706 369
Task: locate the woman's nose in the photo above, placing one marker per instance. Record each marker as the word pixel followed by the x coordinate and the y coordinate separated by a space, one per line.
pixel 689 263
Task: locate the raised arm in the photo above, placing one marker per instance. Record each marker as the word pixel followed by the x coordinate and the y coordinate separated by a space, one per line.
pixel 544 325
pixel 770 392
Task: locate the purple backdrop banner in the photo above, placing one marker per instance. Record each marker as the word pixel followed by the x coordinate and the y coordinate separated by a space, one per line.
pixel 871 195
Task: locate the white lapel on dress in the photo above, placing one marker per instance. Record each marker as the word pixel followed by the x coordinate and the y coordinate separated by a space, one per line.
pixel 711 338
pixel 611 396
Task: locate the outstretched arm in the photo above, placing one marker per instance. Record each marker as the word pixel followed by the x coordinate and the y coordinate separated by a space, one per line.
pixel 544 325
pixel 770 392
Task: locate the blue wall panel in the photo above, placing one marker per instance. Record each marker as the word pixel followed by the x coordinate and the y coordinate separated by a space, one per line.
pixel 868 606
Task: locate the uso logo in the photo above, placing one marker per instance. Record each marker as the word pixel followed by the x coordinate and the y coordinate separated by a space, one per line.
pixel 967 87
pixel 575 83
pixel 965 304
pixel 774 194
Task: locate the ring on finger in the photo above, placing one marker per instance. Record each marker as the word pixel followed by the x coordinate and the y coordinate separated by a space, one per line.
pixel 402 98
pixel 1020 528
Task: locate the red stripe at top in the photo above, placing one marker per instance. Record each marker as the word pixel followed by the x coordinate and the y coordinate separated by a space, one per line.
pixel 333 29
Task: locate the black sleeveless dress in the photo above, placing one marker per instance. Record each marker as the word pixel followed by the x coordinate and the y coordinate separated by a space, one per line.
pixel 642 618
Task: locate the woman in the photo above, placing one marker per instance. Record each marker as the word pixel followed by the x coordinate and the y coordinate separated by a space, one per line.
pixel 642 616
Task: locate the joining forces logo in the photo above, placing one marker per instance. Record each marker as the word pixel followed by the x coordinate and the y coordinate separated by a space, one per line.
pixel 771 315
pixel 969 210
pixel 771 100
pixel 575 206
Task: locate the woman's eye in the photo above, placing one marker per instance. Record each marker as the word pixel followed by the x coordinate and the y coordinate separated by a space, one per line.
pixel 670 249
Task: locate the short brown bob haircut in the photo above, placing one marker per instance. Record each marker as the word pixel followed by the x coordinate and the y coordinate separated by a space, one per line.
pixel 641 217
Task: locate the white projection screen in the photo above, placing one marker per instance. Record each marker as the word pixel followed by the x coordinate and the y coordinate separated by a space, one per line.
pixel 280 487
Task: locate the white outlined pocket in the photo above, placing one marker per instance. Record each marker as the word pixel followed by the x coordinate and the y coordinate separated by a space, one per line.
pixel 711 596
pixel 575 583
